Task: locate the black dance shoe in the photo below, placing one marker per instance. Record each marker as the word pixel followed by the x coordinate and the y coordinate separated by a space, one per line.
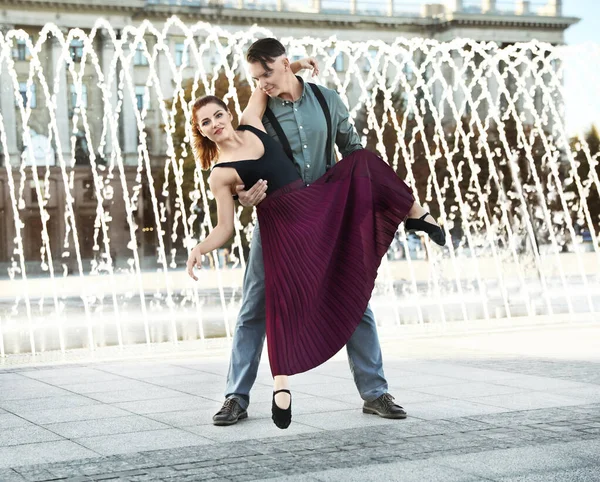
pixel 282 418
pixel 435 232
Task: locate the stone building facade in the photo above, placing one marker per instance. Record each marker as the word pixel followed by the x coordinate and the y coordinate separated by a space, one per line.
pixel 68 155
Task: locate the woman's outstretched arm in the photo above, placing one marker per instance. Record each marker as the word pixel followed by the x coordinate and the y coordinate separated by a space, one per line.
pixel 254 111
pixel 220 182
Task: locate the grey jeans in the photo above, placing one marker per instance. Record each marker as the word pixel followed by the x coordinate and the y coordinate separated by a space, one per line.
pixel 364 352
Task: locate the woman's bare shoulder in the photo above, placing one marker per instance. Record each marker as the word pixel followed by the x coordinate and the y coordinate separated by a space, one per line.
pixel 222 176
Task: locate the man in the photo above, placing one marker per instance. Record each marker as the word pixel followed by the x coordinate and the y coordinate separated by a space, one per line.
pixel 298 119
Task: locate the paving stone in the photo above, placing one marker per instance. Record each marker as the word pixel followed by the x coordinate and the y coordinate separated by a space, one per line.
pixel 140 441
pixel 36 453
pixel 57 415
pixel 43 403
pixel 26 435
pixel 108 426
pixel 10 475
pixel 450 434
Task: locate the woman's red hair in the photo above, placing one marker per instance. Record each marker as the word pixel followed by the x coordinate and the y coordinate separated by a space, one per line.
pixel 206 150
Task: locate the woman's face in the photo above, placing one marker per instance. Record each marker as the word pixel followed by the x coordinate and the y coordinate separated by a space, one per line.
pixel 214 122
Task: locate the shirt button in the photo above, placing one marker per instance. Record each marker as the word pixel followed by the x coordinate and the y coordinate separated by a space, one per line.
pixel 301 127
pixel 308 165
pixel 295 109
pixel 305 146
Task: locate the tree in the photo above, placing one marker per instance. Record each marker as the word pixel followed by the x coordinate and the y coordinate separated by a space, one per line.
pixel 586 166
pixel 476 171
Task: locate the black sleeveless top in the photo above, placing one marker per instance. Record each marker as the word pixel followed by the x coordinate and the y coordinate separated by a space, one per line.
pixel 274 166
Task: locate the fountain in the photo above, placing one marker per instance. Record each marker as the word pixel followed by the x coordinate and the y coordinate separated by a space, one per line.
pixel 101 199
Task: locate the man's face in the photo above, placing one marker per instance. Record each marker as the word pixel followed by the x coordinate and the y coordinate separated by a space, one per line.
pixel 270 81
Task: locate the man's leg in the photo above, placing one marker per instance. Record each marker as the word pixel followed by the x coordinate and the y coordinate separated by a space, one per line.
pixel 249 334
pixel 366 364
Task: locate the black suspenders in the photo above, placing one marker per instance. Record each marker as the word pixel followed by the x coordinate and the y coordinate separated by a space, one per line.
pixel 284 140
pixel 280 134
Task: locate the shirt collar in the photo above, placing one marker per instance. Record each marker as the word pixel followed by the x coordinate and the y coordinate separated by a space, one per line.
pixel 288 102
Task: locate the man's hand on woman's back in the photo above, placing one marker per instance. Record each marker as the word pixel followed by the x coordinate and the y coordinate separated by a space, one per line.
pixel 252 196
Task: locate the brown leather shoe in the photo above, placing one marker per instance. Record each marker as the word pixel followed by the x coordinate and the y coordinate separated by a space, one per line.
pixel 385 407
pixel 230 413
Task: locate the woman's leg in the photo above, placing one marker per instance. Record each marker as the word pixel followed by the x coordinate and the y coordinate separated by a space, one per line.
pixel 416 211
pixel 420 220
pixel 282 399
pixel 281 409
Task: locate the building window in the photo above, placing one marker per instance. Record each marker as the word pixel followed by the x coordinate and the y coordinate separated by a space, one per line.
pixel 338 63
pixel 82 155
pixel 216 59
pixel 370 62
pixel 140 57
pixel 408 71
pixel 181 55
pixel 29 96
pixel 89 192
pixel 76 50
pixel 142 97
pixel 73 92
pixel 21 51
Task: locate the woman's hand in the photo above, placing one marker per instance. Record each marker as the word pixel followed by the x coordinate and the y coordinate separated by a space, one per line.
pixel 309 63
pixel 195 259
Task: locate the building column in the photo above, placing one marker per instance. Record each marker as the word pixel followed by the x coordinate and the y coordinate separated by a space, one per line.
pixel 558 8
pixel 493 85
pixel 523 7
pixel 107 53
pixel 352 7
pixel 317 6
pixel 61 99
pixel 455 5
pixel 390 8
pixel 525 103
pixel 553 8
pixel 488 6
pixel 8 109
pixel 458 96
pixel 165 78
pixel 127 118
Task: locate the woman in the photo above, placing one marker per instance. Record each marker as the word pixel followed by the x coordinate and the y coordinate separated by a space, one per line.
pixel 316 290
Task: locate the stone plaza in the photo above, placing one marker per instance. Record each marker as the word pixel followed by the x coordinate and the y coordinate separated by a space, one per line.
pixel 497 405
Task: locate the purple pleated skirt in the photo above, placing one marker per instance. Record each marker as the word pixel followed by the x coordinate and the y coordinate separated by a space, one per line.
pixel 322 246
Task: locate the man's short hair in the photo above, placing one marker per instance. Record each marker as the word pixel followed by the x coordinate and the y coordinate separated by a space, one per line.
pixel 265 50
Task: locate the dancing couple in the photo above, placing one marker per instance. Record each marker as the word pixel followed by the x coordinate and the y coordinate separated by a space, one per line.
pixel 323 228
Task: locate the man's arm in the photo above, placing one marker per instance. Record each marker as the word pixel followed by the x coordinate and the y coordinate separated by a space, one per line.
pixel 346 137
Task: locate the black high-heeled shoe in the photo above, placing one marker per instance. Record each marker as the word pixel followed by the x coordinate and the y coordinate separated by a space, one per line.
pixel 282 418
pixel 435 232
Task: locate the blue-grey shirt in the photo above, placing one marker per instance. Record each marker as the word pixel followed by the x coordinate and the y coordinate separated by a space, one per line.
pixel 304 124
